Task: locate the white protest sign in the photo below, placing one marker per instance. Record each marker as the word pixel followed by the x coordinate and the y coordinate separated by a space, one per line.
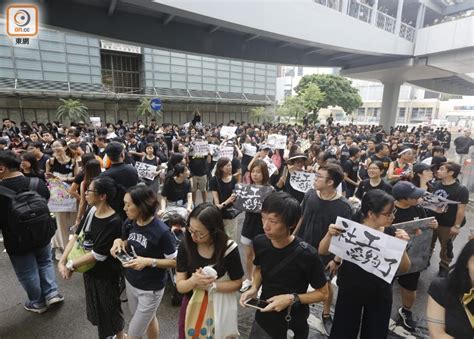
pixel 228 131
pixel 373 251
pixel 436 203
pixel 249 149
pixel 201 148
pixel 95 121
pixel 419 245
pixel 277 141
pixel 60 200
pixel 271 166
pixel 302 181
pixel 304 144
pixel 250 197
pixel 226 151
pixel 145 171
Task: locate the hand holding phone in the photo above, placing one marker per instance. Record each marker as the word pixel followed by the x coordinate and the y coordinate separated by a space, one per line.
pixel 259 304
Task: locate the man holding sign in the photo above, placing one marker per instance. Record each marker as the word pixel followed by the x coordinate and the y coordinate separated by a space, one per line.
pixel 372 254
pixel 407 209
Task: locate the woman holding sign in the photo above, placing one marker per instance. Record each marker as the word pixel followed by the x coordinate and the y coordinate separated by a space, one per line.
pixel 364 297
pixel 295 162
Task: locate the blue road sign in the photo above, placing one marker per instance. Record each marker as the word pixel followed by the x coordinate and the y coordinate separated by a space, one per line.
pixel 155 104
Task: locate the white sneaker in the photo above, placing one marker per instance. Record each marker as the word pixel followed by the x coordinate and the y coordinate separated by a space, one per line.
pixel 245 286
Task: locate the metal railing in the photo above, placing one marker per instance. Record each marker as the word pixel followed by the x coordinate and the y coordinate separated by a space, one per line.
pixel 385 22
pixel 407 32
pixel 360 11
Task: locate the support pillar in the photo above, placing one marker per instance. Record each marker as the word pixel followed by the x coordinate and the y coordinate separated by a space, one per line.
pixel 375 8
pixel 344 6
pixel 420 16
pixel 388 114
pixel 398 21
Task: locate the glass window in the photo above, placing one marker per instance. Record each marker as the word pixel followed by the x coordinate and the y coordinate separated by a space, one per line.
pixel 121 71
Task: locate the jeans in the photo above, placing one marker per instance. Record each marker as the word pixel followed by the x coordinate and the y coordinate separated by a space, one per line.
pixel 35 272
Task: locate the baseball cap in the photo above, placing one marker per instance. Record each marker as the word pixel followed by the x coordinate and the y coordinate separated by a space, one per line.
pixel 406 190
pixel 419 168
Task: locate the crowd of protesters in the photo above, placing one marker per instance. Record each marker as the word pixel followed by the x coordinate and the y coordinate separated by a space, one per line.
pixel 373 176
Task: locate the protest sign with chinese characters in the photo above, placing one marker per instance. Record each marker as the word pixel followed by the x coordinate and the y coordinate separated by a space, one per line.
pixel 302 181
pixel 228 131
pixel 419 245
pixel 304 144
pixel 146 171
pixel 201 148
pixel 60 200
pixel 271 166
pixel 249 149
pixel 436 203
pixel 277 141
pixel 250 197
pixel 373 251
pixel 226 151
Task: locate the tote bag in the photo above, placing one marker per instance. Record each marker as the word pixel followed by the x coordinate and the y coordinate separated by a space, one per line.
pixel 78 248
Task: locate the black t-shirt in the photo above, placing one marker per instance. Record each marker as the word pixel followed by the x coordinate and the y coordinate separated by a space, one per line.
pixel 42 162
pixel 365 187
pixel 351 168
pixel 176 192
pixel 457 323
pixel 198 165
pixel 138 147
pixel 455 192
pixel 231 264
pixel 353 277
pixel 224 189
pixel 79 178
pixel 306 269
pixel 318 214
pixel 344 154
pixel 235 165
pixel 102 233
pixel 154 240
pixel 463 144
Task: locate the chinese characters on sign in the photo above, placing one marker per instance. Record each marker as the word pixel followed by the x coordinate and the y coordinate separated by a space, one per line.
pixel 304 144
pixel 419 246
pixel 271 166
pixel 201 148
pixel 373 251
pixel 250 197
pixel 228 131
pixel 22 23
pixel 436 203
pixel 277 141
pixel 146 171
pixel 302 181
pixel 226 151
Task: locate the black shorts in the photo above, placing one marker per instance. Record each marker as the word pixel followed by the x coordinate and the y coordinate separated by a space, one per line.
pixel 409 281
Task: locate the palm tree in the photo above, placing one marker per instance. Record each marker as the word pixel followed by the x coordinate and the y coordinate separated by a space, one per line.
pixel 144 109
pixel 72 109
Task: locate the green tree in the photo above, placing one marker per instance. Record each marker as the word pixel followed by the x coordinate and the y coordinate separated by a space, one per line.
pixel 312 99
pixel 292 107
pixel 260 113
pixel 72 109
pixel 338 91
pixel 144 109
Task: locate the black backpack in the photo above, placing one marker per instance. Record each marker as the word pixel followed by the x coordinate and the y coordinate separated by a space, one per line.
pixel 30 224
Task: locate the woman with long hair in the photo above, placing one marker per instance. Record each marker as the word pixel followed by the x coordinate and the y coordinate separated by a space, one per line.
pixel 62 166
pixel 102 281
pixel 375 181
pixel 152 247
pixel 253 225
pixel 450 309
pixel 205 244
pixel 368 310
pixel 221 185
pixel 422 176
pixel 30 167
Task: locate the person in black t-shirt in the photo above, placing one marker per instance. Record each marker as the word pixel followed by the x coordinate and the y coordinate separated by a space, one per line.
pixel 381 154
pixel 102 281
pixel 407 198
pixel 351 169
pixel 375 181
pixel 176 190
pixel 206 244
pixel 286 289
pixel 153 248
pixel 364 301
pixel 450 309
pixel 453 219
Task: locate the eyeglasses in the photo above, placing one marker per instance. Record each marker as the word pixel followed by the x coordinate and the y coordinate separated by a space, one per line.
pixel 390 214
pixel 198 234
pixel 317 175
pixel 91 191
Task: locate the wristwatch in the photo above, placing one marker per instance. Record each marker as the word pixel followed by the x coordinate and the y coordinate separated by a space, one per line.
pixel 70 265
pixel 154 262
pixel 458 226
pixel 296 300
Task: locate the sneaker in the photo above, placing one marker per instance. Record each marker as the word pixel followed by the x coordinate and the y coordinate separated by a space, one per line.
pixel 327 323
pixel 35 308
pixel 245 286
pixel 407 319
pixel 58 298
